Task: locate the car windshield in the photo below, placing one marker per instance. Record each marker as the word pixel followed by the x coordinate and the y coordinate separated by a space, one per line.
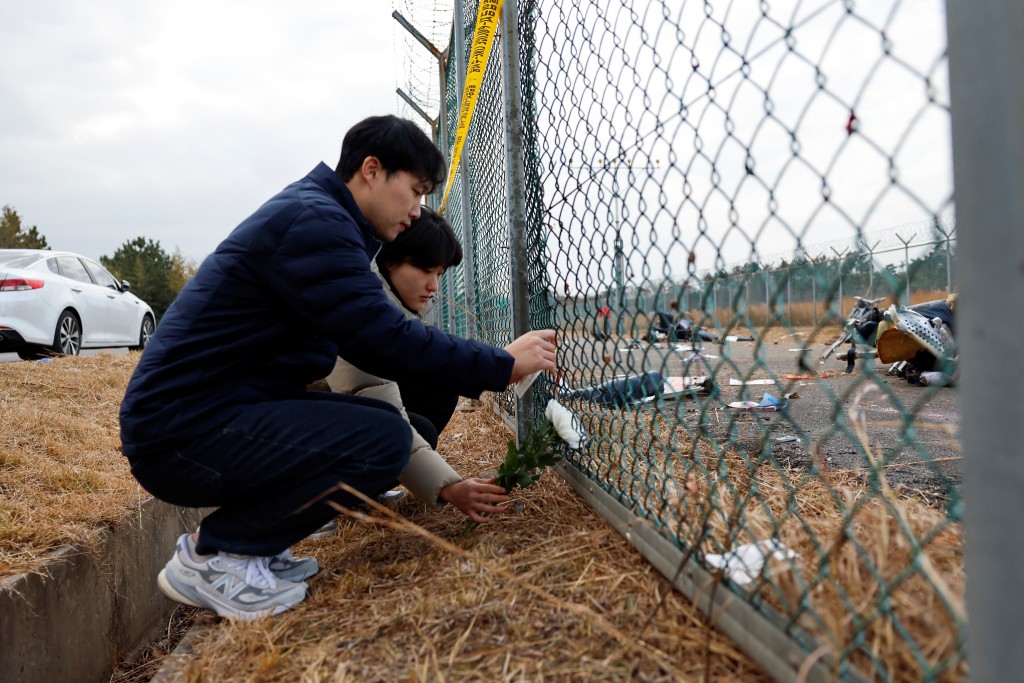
pixel 18 259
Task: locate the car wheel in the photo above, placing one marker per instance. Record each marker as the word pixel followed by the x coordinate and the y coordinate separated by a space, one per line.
pixel 145 332
pixel 67 339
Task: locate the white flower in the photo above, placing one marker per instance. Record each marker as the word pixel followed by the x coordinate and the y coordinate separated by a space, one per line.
pixel 566 424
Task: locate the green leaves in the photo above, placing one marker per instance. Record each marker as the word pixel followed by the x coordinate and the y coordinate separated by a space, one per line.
pixel 15 236
pixel 147 267
pixel 523 465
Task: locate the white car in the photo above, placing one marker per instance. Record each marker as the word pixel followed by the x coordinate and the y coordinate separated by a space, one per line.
pixel 56 302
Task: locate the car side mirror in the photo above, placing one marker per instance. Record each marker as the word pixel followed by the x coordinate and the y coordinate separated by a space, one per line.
pixel 125 285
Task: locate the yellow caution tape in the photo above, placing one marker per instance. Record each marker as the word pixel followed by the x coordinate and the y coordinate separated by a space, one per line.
pixel 483 37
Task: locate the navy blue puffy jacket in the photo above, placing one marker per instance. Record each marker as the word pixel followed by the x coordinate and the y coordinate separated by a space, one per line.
pixel 267 313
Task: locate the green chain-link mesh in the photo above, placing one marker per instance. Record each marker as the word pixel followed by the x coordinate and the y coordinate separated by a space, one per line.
pixel 750 169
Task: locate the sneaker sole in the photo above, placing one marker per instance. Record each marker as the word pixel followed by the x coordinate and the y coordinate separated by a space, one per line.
pixel 296 578
pixel 169 591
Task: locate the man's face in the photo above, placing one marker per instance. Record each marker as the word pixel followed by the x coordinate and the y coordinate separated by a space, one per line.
pixel 393 202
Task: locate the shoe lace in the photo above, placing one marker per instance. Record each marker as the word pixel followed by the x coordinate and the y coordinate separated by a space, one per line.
pixel 257 570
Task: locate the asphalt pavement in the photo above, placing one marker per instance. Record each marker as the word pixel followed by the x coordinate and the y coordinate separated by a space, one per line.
pixel 835 420
pixel 13 357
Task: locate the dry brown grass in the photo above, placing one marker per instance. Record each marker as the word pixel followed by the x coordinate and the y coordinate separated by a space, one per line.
pixel 873 566
pixel 756 316
pixel 807 314
pixel 549 593
pixel 62 476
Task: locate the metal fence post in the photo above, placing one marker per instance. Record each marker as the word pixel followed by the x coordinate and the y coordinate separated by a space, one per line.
pixel 841 260
pixel 906 262
pixel 986 49
pixel 439 133
pixel 949 261
pixel 789 294
pixel 518 238
pixel 814 293
pixel 767 299
pixel 468 247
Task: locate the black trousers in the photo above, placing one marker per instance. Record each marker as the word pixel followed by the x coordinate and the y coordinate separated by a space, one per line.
pixel 271 470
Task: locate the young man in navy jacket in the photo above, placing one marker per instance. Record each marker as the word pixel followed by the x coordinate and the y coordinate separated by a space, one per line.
pixel 217 413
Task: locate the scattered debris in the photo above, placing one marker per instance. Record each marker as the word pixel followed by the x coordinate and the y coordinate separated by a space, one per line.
pixel 699 356
pixel 936 379
pixel 746 563
pixel 621 391
pixel 769 404
pixel 679 386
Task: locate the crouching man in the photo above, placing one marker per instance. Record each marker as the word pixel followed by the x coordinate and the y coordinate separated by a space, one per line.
pixel 217 413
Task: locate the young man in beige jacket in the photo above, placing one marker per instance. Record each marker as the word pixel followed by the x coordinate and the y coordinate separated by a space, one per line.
pixel 410 268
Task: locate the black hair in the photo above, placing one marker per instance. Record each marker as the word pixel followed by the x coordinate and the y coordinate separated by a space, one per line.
pixel 399 144
pixel 428 243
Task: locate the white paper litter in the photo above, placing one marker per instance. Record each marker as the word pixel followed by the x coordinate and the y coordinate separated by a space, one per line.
pixel 525 383
pixel 744 564
pixel 733 382
pixel 673 387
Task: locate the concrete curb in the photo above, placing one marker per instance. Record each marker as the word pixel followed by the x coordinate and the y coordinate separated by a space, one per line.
pixel 177 666
pixel 88 607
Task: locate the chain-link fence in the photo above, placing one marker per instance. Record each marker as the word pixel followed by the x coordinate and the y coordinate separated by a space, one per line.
pixel 695 194
pixel 915 262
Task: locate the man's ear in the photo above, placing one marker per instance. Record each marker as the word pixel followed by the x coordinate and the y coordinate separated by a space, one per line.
pixel 371 169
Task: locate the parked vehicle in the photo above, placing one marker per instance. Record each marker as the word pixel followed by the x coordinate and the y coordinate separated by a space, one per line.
pixel 57 303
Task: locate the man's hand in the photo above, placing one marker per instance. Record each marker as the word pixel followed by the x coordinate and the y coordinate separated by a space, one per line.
pixel 532 351
pixel 475 497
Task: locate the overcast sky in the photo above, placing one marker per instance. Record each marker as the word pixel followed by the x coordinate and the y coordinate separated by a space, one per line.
pixel 711 176
pixel 175 120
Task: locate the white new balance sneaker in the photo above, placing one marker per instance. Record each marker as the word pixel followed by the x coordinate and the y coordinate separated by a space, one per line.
pixel 233 586
pixel 290 568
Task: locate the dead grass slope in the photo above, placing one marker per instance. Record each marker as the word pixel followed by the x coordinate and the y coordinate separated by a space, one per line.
pixel 62 475
pixel 548 593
